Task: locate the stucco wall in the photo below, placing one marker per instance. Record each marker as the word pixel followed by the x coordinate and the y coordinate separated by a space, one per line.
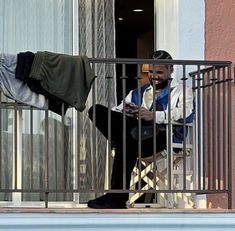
pixel 220 45
pixel 220 30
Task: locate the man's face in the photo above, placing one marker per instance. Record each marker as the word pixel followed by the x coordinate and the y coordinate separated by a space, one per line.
pixel 160 73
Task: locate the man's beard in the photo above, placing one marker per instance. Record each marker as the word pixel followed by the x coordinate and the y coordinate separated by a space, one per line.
pixel 161 84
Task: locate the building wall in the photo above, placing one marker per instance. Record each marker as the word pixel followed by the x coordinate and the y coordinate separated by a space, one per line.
pixel 220 30
pixel 180 28
pixel 220 45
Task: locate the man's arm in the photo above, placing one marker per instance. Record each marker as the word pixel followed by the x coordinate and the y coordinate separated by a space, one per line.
pixel 119 108
pixel 161 116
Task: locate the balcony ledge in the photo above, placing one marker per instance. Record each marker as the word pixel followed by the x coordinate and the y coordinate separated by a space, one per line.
pixel 139 219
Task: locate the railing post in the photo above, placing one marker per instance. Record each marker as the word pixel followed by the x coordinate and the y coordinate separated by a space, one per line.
pixel 230 162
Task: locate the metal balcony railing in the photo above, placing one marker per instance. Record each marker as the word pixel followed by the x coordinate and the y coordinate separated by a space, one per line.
pixel 49 158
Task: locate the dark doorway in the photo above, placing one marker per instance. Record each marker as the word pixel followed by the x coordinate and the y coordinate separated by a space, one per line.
pixel 134 35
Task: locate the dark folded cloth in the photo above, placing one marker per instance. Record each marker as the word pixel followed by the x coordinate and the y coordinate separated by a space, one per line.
pixel 24 63
pixel 54 103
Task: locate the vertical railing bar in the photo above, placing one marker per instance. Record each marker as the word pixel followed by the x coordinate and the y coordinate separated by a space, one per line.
pixel 139 122
pixel 73 146
pixel 78 152
pixel 184 127
pixel 15 143
pixel 226 128
pixel 154 136
pixel 209 128
pixel 230 165
pixel 199 125
pixel 218 130
pixel 214 117
pixel 109 125
pixel 108 79
pixel 57 160
pixel 46 159
pixel 31 148
pixel 124 77
pixel 62 150
pixel 205 105
pixel 94 138
pixel 224 131
pixel 169 134
pixel 195 138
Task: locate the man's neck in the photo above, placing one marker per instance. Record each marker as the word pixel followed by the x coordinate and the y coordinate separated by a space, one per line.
pixel 158 92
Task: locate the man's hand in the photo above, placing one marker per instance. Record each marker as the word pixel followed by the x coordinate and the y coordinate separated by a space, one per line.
pixel 145 114
pixel 131 110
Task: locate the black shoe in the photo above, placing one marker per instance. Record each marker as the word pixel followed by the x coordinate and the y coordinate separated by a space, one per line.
pixel 107 201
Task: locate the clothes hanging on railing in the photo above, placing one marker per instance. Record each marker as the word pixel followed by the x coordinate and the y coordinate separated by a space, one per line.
pixel 24 64
pixel 47 80
pixel 17 89
pixel 67 77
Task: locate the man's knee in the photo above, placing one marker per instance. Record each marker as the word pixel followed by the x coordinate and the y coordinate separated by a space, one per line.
pixel 99 109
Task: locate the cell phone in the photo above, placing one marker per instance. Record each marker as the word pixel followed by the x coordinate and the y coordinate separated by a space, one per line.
pixel 130 108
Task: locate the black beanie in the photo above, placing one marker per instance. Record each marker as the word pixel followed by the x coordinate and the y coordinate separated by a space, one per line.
pixel 161 54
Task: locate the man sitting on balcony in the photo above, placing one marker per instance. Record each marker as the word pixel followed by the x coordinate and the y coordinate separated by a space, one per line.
pixel 162 73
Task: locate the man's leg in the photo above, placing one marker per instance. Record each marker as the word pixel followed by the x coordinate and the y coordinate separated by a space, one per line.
pixel 101 122
pixel 118 200
pixel 101 118
pixel 132 155
pixel 114 200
